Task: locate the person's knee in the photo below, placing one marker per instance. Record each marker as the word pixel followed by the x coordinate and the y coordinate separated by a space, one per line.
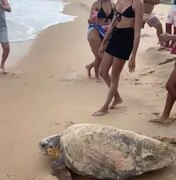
pixel 6 48
pixel 167 86
pixel 103 73
pixel 158 27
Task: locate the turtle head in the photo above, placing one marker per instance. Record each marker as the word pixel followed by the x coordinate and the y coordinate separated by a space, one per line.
pixel 50 146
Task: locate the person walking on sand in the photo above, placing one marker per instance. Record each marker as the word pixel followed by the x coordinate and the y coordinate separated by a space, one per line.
pixel 171 22
pixel 120 44
pixel 101 15
pixel 150 17
pixel 4 6
pixel 170 87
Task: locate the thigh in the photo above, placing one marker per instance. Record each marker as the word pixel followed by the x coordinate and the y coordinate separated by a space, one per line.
pixel 94 39
pixel 117 67
pixel 172 79
pixel 5 45
pixel 106 62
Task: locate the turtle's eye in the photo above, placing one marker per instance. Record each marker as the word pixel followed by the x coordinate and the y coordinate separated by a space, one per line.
pixel 43 146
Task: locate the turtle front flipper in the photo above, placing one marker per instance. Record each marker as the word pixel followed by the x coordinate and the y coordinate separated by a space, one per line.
pixel 60 170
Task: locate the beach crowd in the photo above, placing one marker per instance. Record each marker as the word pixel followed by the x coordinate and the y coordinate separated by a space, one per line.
pixel 114 30
pixel 114 36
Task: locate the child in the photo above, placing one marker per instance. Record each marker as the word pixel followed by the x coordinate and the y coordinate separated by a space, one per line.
pixel 150 18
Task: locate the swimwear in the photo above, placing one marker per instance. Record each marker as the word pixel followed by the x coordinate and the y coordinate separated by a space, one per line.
pixel 171 17
pixel 151 19
pixel 3 27
pixel 128 13
pixel 101 29
pixel 121 41
pixel 102 14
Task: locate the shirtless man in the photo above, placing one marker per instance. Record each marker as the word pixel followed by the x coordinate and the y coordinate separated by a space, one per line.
pixel 150 17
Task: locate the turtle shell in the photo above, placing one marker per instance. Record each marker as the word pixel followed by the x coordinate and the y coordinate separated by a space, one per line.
pixel 106 152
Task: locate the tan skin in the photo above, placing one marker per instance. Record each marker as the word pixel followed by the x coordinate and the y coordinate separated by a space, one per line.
pixel 170 87
pixel 5 45
pixel 148 8
pixel 94 38
pixel 117 63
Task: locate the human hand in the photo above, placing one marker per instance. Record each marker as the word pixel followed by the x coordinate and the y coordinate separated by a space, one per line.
pixel 101 50
pixel 132 64
pixel 92 20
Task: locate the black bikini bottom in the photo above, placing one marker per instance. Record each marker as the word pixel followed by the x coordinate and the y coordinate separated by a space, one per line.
pixel 121 43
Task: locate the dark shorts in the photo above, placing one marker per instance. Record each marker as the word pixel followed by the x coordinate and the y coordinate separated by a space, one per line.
pixel 121 43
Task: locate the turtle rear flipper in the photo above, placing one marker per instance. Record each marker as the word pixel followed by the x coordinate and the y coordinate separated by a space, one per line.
pixel 60 170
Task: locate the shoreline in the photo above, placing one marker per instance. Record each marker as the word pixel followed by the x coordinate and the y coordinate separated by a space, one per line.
pixel 16 54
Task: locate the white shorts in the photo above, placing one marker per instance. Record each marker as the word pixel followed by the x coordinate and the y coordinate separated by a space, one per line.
pixel 3 35
pixel 171 17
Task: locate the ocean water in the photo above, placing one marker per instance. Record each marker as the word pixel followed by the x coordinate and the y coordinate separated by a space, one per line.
pixel 28 17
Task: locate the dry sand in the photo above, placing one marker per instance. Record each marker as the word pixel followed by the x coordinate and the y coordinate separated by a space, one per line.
pixel 49 87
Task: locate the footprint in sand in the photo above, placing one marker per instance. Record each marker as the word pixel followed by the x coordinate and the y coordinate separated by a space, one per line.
pixel 167 61
pixel 13 75
pixel 69 123
pixel 145 35
pixel 71 78
pixel 149 72
pixel 156 113
pixel 50 177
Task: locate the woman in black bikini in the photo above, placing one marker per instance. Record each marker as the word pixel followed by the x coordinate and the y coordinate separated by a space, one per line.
pixel 97 28
pixel 122 40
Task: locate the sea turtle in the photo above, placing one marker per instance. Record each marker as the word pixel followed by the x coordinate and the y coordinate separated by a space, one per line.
pixel 105 152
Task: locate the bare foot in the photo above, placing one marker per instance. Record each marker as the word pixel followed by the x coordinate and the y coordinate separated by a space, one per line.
pixel 98 80
pixel 100 112
pixel 88 70
pixel 115 103
pixel 162 120
pixel 3 70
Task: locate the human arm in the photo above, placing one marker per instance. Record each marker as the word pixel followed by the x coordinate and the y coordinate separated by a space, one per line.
pixel 152 1
pixel 5 6
pixel 139 9
pixel 107 36
pixel 92 19
pixel 167 37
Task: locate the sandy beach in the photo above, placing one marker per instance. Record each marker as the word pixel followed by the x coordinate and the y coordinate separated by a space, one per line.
pixel 47 88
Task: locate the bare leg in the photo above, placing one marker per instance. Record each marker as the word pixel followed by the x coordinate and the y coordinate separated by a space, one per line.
pixel 104 72
pixel 164 119
pixel 168 30
pixel 117 67
pixel 159 30
pixel 89 67
pixel 95 42
pixel 60 170
pixel 5 53
pixel 171 97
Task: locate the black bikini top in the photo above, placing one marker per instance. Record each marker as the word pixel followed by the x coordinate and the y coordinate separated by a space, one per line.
pixel 128 13
pixel 102 13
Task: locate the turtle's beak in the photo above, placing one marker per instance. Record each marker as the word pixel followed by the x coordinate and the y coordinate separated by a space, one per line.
pixel 42 147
